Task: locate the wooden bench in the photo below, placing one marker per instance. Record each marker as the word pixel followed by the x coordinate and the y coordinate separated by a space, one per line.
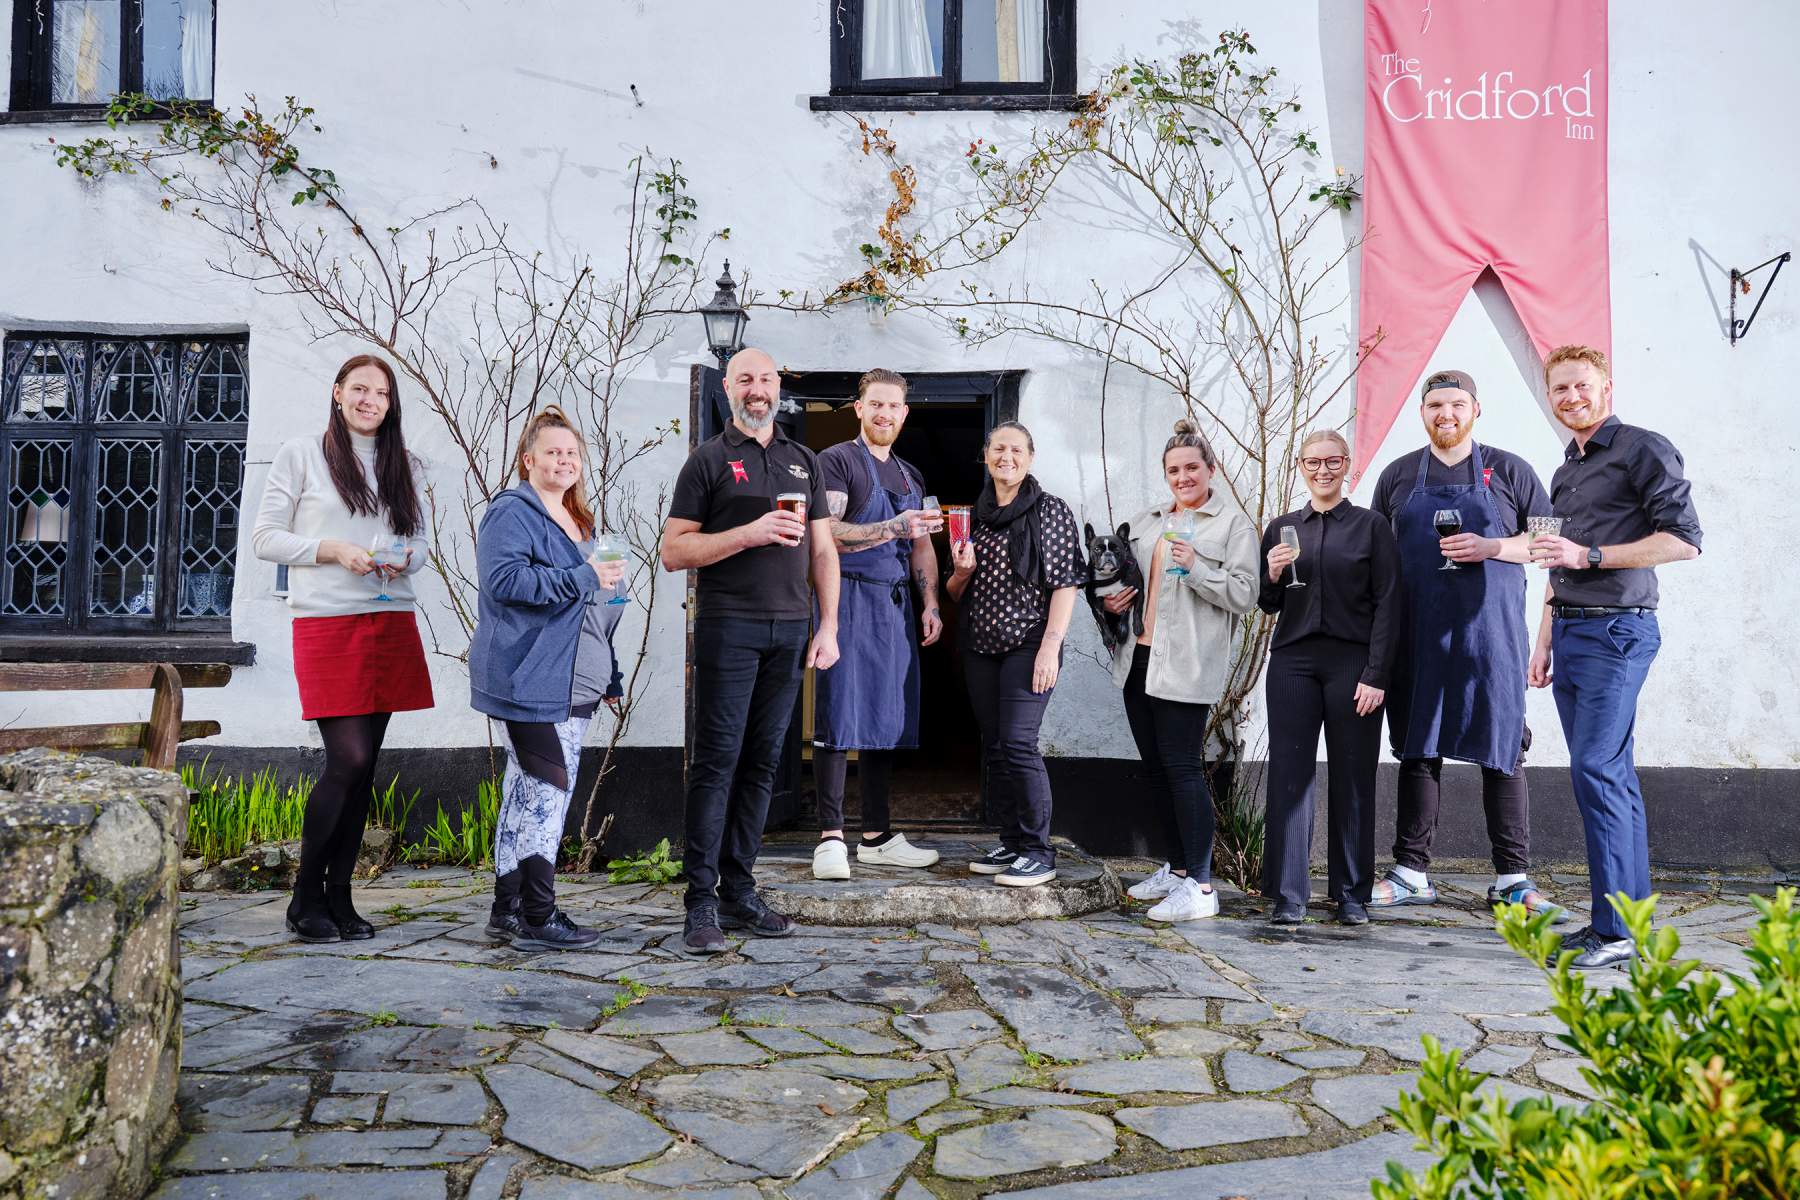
pixel 157 738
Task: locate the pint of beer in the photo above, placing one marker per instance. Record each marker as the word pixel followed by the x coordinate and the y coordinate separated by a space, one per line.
pixel 957 517
pixel 794 502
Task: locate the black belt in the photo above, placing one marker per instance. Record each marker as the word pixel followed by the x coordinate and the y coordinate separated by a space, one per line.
pixel 1563 612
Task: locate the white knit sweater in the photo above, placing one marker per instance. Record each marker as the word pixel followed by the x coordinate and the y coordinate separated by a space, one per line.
pixel 301 508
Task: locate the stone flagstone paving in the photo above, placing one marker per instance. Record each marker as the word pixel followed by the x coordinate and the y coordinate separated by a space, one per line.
pixel 1087 1058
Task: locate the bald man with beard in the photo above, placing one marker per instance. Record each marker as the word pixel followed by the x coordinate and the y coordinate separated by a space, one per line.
pixel 754 563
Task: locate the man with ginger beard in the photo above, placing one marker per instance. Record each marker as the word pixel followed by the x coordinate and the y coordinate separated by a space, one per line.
pixel 754 560
pixel 869 702
pixel 1459 684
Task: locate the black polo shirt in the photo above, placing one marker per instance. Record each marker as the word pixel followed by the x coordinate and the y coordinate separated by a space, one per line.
pixel 1627 485
pixel 732 480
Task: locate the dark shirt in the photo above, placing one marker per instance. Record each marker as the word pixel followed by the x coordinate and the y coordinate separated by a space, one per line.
pixel 1516 490
pixel 845 467
pixel 732 480
pixel 1001 611
pixel 1625 487
pixel 1352 575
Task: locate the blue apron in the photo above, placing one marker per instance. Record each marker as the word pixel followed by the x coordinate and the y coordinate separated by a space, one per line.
pixel 1459 690
pixel 870 699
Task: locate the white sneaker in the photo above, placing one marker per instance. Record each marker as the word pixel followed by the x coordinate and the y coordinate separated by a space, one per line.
pixel 1155 887
pixel 895 852
pixel 1187 903
pixel 831 860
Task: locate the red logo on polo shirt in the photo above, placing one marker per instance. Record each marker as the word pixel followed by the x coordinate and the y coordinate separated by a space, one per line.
pixel 738 474
pixel 1487 477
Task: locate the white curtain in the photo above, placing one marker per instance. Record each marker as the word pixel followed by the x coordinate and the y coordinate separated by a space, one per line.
pixel 1021 53
pixel 197 49
pixel 896 40
pixel 85 51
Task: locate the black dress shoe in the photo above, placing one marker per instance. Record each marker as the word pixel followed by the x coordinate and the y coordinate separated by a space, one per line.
pixel 700 931
pixel 309 920
pixel 350 925
pixel 557 932
pixel 1352 912
pixel 1288 914
pixel 751 913
pixel 1593 952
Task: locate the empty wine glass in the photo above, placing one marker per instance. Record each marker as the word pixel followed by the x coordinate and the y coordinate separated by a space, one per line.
pixel 1290 537
pixel 1447 521
pixel 389 554
pixel 606 550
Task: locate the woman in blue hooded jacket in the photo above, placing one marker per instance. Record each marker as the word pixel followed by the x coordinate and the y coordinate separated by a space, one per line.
pixel 541 662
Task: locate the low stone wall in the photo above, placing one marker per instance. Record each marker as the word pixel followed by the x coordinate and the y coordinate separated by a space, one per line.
pixel 90 980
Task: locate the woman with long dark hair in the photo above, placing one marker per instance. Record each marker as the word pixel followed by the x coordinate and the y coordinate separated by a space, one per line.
pixel 1198 583
pixel 1015 581
pixel 541 662
pixel 342 511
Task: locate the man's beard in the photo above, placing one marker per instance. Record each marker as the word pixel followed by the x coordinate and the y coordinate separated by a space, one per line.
pixel 1450 439
pixel 880 437
pixel 1594 417
pixel 742 413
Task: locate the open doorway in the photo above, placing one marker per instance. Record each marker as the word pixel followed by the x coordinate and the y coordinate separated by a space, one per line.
pixel 937 786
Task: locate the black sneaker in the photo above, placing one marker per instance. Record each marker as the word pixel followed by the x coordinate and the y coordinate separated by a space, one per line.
pixel 557 933
pixel 1288 914
pixel 1352 912
pixel 1593 952
pixel 1025 871
pixel 505 924
pixel 751 913
pixel 700 932
pixel 993 862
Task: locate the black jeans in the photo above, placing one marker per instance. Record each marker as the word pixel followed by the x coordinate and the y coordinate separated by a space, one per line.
pixel 874 776
pixel 746 673
pixel 1312 682
pixel 1010 715
pixel 1171 741
pixel 1505 798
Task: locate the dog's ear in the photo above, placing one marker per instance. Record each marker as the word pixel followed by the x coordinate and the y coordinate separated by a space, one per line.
pixel 1125 532
pixel 1087 531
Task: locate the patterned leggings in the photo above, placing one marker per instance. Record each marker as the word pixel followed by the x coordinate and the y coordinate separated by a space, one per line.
pixel 532 807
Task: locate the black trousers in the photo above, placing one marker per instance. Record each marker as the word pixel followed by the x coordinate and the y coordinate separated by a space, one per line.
pixel 874 782
pixel 746 674
pixel 1505 798
pixel 1312 683
pixel 1171 741
pixel 1010 715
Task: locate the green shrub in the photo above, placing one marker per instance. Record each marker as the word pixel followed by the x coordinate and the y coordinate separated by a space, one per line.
pixel 1697 1074
pixel 655 867
pixel 229 814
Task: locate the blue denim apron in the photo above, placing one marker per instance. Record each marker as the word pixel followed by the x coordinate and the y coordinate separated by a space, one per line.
pixel 870 699
pixel 1459 687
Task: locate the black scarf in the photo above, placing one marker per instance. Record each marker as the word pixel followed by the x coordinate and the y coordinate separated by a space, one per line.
pixel 1021 521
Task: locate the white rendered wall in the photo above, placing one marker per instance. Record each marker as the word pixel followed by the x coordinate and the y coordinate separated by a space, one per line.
pixel 528 106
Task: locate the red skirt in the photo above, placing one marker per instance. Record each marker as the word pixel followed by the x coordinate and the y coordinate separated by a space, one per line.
pixel 362 663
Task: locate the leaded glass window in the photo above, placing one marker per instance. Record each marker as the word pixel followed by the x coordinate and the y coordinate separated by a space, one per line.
pixel 79 54
pixel 122 461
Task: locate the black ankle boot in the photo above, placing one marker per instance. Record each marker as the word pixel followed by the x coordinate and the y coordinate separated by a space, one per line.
pixel 504 920
pixel 307 917
pixel 350 925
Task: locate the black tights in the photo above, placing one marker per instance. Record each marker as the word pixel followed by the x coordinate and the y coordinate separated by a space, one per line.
pixel 338 807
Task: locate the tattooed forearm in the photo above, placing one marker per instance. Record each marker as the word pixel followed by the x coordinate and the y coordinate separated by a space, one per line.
pixel 851 538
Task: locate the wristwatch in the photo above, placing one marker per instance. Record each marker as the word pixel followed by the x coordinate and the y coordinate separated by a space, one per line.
pixel 1593 556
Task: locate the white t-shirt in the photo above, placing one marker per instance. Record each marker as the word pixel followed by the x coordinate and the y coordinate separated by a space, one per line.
pixel 301 507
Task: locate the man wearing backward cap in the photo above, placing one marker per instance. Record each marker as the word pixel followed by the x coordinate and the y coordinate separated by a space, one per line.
pixel 1458 687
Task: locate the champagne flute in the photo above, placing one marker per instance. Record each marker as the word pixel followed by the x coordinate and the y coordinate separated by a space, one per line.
pixel 1290 537
pixel 389 554
pixel 1447 521
pixel 606 550
pixel 1178 526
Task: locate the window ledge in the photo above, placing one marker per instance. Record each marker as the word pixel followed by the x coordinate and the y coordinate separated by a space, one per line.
pixel 879 102
pixel 56 116
pixel 176 648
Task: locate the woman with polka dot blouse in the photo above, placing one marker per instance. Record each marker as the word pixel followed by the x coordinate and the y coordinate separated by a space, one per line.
pixel 1015 581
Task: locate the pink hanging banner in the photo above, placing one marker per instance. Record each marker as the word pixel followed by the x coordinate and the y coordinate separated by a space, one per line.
pixel 1485 128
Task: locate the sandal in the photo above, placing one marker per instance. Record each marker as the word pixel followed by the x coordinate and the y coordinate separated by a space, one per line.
pixel 1390 891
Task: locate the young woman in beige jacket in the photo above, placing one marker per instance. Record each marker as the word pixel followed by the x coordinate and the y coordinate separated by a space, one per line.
pixel 1198 582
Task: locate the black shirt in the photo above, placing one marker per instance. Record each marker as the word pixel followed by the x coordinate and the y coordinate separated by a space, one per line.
pixel 1002 612
pixel 1625 487
pixel 846 470
pixel 732 480
pixel 1517 491
pixel 1352 575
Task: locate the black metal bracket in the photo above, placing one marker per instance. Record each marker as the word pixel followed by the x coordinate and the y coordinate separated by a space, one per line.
pixel 1740 282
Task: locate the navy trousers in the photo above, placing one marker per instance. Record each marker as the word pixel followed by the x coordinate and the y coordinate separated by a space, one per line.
pixel 1598 666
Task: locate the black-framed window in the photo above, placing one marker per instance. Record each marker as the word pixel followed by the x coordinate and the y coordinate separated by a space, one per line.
pixel 73 56
pixel 1010 53
pixel 121 477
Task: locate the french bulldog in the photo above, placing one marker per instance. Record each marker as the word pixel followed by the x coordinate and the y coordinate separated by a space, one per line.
pixel 1112 567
